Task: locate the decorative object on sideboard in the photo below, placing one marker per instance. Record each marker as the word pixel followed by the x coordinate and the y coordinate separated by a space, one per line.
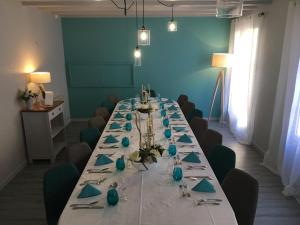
pixel 41 78
pixel 28 97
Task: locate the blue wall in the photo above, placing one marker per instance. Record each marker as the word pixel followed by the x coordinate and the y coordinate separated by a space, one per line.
pixel 99 58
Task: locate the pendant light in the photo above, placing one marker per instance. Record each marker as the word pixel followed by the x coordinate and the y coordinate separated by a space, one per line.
pixel 143 33
pixel 229 8
pixel 137 51
pixel 172 25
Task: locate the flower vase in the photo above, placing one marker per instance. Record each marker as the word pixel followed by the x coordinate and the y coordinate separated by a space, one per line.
pixel 29 104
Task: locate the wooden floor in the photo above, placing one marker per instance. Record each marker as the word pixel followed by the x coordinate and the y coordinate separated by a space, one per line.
pixel 21 201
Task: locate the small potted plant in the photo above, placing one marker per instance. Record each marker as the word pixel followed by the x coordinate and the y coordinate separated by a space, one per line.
pixel 28 97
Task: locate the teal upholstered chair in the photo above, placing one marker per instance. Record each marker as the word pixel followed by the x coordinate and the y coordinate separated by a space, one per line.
pixel 187 108
pixel 194 113
pixel 199 126
pixel 209 139
pixel 90 136
pixel 221 160
pixel 58 185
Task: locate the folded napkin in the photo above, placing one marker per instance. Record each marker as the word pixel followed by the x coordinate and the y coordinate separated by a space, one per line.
pixel 119 116
pixel 122 107
pixel 89 191
pixel 115 126
pixel 169 101
pixel 192 157
pixel 204 186
pixel 179 129
pixel 102 160
pixel 185 139
pixel 172 108
pixel 175 115
pixel 110 139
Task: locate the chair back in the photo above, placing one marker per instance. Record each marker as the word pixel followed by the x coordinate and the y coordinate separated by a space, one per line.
pixel 241 190
pixel 58 184
pixel 199 126
pixel 109 105
pixel 187 108
pixel 209 140
pixel 97 122
pixel 79 155
pixel 194 113
pixel 114 99
pixel 90 136
pixel 182 99
pixel 152 93
pixel 102 111
pixel 221 160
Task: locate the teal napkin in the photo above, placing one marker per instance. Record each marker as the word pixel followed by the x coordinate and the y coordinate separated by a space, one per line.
pixel 89 191
pixel 122 107
pixel 175 115
pixel 102 160
pixel 204 186
pixel 110 139
pixel 119 116
pixel 172 108
pixel 115 126
pixel 179 129
pixel 185 139
pixel 192 157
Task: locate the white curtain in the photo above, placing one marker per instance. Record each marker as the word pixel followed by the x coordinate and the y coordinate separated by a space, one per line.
pixel 283 155
pixel 242 92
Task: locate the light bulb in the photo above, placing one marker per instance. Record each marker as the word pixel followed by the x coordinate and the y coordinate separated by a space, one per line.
pixel 137 52
pixel 143 36
pixel 172 26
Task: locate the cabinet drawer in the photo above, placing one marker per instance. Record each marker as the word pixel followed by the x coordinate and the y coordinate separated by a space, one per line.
pixel 53 113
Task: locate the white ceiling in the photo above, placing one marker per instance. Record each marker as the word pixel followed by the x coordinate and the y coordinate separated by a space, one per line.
pixel 106 8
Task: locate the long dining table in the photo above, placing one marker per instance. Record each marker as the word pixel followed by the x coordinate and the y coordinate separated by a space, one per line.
pixel 148 197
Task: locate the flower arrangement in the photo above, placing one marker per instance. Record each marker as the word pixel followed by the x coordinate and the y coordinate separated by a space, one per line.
pixel 26 95
pixel 145 155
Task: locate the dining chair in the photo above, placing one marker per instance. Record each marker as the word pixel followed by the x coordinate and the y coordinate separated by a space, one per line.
pixel 79 154
pixel 114 99
pixel 97 122
pixel 102 111
pixel 109 105
pixel 152 93
pixel 90 136
pixel 221 160
pixel 58 184
pixel 195 112
pixel 187 108
pixel 241 190
pixel 199 126
pixel 209 140
pixel 182 99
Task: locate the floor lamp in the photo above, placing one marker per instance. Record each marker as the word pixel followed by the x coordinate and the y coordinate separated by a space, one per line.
pixel 219 60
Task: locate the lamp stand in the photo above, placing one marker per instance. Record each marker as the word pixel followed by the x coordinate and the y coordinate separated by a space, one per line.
pixel 221 80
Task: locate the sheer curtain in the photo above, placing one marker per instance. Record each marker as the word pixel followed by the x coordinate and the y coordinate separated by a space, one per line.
pixel 283 155
pixel 242 93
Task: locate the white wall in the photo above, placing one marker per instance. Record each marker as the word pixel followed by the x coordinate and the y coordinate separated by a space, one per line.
pixel 30 40
pixel 273 35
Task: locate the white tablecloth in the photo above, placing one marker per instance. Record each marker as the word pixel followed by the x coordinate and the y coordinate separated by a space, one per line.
pixel 150 197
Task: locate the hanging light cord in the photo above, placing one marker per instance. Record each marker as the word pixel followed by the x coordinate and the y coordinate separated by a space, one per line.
pixel 143 13
pixel 125 8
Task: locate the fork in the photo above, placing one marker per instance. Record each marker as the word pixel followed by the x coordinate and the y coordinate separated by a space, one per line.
pixel 96 182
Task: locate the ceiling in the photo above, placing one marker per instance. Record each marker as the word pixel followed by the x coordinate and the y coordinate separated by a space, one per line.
pixel 106 8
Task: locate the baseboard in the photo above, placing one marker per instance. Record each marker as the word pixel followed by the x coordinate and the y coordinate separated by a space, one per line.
pixel 13 173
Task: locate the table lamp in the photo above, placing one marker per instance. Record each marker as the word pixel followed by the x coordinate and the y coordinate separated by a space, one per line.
pixel 220 60
pixel 41 78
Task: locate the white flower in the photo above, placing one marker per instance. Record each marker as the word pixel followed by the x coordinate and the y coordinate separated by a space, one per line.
pixel 135 156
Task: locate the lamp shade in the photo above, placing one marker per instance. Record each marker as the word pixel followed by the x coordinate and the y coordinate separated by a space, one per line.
pixel 40 77
pixel 222 60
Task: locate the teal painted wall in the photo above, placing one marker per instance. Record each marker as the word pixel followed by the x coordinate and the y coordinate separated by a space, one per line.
pixel 174 63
